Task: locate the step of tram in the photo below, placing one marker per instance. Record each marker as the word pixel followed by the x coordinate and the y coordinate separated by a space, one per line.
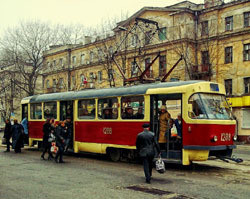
pixel 171 154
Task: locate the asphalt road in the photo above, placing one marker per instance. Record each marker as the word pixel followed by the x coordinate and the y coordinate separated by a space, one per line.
pixel 25 175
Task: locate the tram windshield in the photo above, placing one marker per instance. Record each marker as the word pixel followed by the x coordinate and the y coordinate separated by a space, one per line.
pixel 209 106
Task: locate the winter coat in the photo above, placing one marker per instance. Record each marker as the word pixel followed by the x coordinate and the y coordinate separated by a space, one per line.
pixel 164 120
pixel 146 144
pixel 46 134
pixel 7 131
pixel 17 136
pixel 59 134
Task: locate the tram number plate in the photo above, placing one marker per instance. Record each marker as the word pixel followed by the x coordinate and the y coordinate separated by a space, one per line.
pixel 225 137
pixel 107 130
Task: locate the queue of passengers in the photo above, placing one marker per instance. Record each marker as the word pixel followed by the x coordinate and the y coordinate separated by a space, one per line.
pixel 61 133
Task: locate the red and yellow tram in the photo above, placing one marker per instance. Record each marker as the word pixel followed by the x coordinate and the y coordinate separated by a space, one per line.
pixel 107 121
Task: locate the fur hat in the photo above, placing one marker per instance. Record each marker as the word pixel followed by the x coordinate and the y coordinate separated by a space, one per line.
pixel 145 125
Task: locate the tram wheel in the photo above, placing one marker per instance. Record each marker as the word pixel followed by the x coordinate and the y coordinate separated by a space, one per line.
pixel 114 154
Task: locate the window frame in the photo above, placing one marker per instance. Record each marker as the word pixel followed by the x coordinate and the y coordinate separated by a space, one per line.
pixel 204 28
pixel 246 19
pixel 162 34
pixel 34 114
pixel 228 86
pixel 86 117
pixel 103 109
pixel 228 54
pixel 246 82
pixel 162 70
pixel 229 23
pixel 246 52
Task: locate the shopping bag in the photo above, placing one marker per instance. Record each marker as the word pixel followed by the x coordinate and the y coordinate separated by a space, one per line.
pixel 3 140
pixel 53 147
pixel 159 165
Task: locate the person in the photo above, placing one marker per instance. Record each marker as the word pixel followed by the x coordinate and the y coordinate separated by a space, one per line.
pixel 178 126
pixel 46 143
pixel 17 136
pixel 107 114
pixel 69 134
pixel 139 114
pixel 129 113
pixel 7 134
pixel 60 142
pixel 24 123
pixel 145 145
pixel 164 124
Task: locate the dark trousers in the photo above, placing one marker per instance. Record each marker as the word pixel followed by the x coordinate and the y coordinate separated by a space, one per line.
pixel 60 153
pixel 45 149
pixel 8 144
pixel 148 166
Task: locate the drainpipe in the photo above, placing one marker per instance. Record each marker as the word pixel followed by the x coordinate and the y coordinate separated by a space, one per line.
pixel 196 18
pixel 69 64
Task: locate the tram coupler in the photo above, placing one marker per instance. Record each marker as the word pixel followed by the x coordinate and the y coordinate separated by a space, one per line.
pixel 233 158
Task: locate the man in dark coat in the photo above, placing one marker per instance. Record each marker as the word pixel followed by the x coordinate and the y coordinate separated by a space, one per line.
pixel 46 135
pixel 7 134
pixel 69 134
pixel 60 142
pixel 17 136
pixel 145 145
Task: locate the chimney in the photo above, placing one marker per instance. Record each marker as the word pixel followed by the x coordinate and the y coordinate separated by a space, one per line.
pixel 87 39
pixel 212 3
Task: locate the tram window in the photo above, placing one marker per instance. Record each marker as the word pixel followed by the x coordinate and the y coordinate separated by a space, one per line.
pixel 133 107
pixel 50 110
pixel 86 109
pixel 108 108
pixel 36 111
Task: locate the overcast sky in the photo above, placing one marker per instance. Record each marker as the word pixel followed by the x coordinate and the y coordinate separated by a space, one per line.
pixel 87 12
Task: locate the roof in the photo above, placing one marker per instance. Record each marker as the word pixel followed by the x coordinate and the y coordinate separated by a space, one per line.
pixel 106 92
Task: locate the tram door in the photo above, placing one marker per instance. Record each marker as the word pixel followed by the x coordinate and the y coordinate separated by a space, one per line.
pixel 25 115
pixel 66 112
pixel 169 143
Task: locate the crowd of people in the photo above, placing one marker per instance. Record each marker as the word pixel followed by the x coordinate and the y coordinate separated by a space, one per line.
pixel 60 133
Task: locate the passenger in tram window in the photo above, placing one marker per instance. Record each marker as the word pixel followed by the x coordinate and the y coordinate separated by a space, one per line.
pixel 178 125
pixel 164 124
pixel 114 113
pixel 129 113
pixel 139 114
pixel 47 114
pixel 107 114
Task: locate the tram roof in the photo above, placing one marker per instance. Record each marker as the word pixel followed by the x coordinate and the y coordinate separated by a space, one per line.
pixel 105 92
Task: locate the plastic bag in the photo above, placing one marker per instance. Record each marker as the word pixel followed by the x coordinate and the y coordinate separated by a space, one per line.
pixel 53 148
pixel 160 165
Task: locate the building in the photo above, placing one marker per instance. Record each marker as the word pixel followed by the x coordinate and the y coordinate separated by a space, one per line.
pixel 209 41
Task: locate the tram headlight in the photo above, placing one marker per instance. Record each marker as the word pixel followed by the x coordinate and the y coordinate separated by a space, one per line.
pixel 235 137
pixel 214 139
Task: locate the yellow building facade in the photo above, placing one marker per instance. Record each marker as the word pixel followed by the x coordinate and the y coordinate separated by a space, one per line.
pixel 209 41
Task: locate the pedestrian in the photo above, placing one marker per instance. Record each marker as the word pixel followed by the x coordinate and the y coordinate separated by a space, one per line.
pixel 7 134
pixel 69 134
pixel 24 123
pixel 145 145
pixel 164 118
pixel 17 136
pixel 46 142
pixel 60 142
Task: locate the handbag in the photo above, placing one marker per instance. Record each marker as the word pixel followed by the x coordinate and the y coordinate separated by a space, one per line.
pixel 160 165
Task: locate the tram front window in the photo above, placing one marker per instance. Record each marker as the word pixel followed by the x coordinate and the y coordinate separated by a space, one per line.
pixel 209 106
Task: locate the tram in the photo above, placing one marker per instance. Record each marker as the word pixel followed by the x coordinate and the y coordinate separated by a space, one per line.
pixel 107 121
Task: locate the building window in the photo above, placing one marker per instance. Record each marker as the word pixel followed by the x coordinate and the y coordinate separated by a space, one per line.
pixel 61 62
pixel 246 52
pixel 82 58
pixel 110 74
pixel 174 79
pixel 54 63
pixel 100 55
pixel 54 83
pixel 162 65
pixel 134 69
pixel 91 56
pixel 147 37
pixel 204 58
pixel 110 50
pixel 229 23
pixel 74 60
pixel 228 86
pixel 149 72
pixel 228 55
pixel 246 19
pixel 245 118
pixel 61 83
pixel 162 34
pixel 99 76
pixel 247 85
pixel 134 40
pixel 47 84
pixel 204 28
